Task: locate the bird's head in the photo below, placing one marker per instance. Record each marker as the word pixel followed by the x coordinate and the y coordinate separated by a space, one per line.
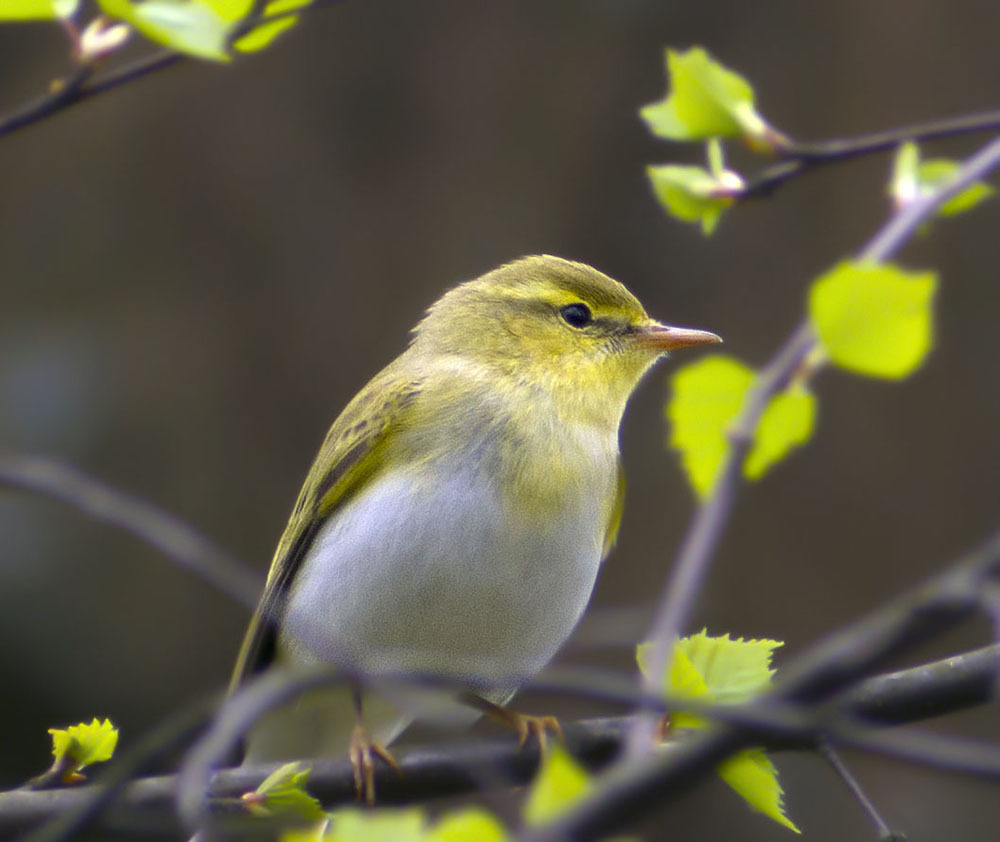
pixel 559 327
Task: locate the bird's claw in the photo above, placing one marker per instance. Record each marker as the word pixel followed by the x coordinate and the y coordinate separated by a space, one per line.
pixel 363 750
pixel 526 725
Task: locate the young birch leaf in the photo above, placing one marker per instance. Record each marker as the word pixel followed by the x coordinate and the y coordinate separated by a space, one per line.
pixel 733 670
pixel 689 194
pixel 262 35
pixel 912 178
pixel 706 397
pixel 682 681
pixel 560 783
pixel 466 825
pixel 83 745
pixel 188 26
pixel 283 791
pixel 936 171
pixel 787 423
pixel 753 776
pixel 874 318
pixel 354 825
pixel 36 9
pixel 230 10
pixel 706 100
pixel 726 671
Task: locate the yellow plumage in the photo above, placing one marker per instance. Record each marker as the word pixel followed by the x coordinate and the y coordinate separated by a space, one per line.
pixel 477 473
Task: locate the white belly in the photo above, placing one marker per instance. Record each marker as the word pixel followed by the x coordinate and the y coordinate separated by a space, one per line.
pixel 442 577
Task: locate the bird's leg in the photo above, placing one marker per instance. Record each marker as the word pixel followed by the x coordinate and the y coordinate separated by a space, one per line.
pixel 523 724
pixel 363 750
pixel 664 729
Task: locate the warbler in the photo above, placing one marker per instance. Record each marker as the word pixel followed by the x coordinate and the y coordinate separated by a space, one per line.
pixel 459 509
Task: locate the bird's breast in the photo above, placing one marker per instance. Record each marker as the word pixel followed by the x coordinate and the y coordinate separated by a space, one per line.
pixel 442 567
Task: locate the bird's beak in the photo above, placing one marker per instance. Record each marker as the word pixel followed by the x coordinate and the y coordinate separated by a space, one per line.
pixel 659 337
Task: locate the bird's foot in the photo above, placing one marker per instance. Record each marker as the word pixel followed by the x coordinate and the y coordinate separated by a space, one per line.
pixel 363 750
pixel 526 725
pixel 523 724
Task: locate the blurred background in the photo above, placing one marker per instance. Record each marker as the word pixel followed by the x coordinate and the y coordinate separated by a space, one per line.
pixel 199 270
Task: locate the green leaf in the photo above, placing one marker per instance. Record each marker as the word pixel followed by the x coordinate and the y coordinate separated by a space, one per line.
pixel 706 100
pixel 230 10
pixel 195 27
pixel 283 791
pixel 353 825
pixel 912 178
pixel 706 400
pixel 690 194
pixel 264 34
pixel 682 681
pixel 725 671
pixel 787 423
pixel 874 318
pixel 467 825
pixel 733 670
pixel 83 745
pixel 936 171
pixel 560 783
pixel 715 669
pixel 752 774
pixel 37 9
pixel 706 397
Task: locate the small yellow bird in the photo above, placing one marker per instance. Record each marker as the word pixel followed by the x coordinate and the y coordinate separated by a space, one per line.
pixel 459 509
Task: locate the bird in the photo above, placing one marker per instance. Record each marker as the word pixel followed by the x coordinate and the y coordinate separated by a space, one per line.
pixel 457 514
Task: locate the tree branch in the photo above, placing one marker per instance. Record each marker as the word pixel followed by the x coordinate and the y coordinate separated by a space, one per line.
pixel 798 158
pixel 170 535
pixel 711 519
pixel 74 89
pixel 629 789
pixel 907 696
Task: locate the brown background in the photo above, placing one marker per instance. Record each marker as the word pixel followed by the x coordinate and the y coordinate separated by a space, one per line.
pixel 198 271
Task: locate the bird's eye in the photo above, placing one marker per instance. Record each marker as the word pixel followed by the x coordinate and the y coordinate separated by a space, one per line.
pixel 576 315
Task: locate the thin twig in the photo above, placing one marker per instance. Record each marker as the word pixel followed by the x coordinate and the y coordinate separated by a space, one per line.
pixel 173 537
pixel 709 523
pixel 832 756
pixel 63 94
pixel 73 90
pixel 799 158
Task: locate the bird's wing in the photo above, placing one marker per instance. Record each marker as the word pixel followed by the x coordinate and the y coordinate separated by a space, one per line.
pixel 352 451
pixel 615 518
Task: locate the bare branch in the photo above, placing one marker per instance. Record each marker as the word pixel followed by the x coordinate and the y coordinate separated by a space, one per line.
pixel 173 537
pixel 832 756
pixel 799 158
pixel 73 90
